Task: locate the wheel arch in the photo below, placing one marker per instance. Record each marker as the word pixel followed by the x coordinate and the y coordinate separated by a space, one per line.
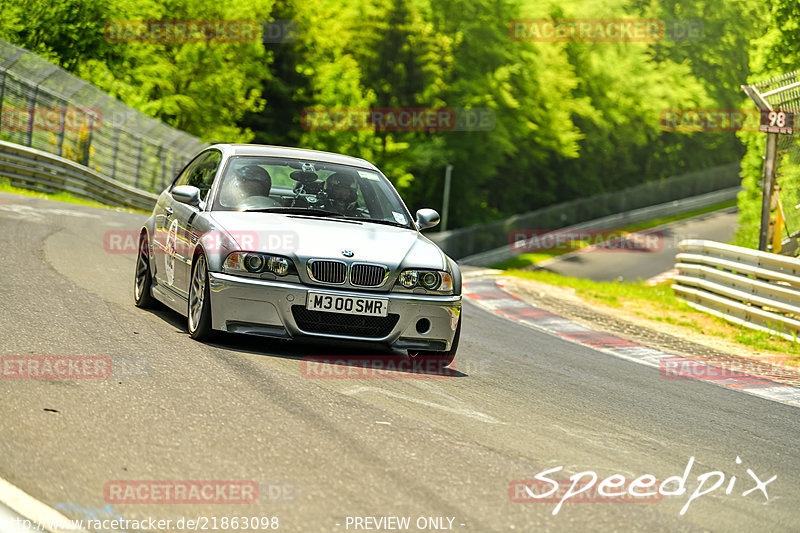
pixel 456 272
pixel 145 232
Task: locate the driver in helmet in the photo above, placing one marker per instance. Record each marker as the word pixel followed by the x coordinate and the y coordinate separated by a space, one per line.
pixel 342 194
pixel 248 181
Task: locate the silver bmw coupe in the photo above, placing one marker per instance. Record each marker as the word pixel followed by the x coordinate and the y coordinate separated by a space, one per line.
pixel 284 243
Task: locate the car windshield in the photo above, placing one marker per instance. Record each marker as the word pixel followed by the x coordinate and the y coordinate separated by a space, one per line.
pixel 308 187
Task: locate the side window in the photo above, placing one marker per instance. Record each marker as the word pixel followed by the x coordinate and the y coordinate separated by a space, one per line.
pixel 183 177
pixel 377 204
pixel 202 176
pixel 200 172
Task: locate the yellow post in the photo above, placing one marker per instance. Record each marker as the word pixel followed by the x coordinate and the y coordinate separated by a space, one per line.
pixel 777 230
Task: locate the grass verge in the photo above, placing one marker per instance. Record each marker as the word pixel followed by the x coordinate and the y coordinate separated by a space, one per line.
pixel 524 260
pixel 659 304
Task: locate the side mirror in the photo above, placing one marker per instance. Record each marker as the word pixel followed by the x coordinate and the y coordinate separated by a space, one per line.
pixel 187 194
pixel 427 218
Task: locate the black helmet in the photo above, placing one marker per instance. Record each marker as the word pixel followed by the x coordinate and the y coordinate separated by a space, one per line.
pixel 254 179
pixel 341 187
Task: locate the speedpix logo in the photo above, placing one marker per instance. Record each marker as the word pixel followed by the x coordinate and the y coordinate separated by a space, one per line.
pixel 616 488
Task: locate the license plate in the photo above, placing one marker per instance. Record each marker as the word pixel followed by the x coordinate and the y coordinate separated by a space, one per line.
pixel 351 305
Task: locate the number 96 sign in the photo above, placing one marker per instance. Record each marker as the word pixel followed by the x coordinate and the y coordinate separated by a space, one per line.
pixel 776 122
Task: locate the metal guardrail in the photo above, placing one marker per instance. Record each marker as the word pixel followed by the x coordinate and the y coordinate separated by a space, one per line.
pixel 504 253
pixel 45 107
pixel 34 169
pixel 759 290
pixel 473 240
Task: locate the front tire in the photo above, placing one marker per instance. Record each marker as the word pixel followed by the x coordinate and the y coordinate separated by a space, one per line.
pixel 199 315
pixel 441 359
pixel 143 281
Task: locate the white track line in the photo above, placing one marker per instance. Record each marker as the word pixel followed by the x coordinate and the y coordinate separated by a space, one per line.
pixel 632 351
pixel 28 507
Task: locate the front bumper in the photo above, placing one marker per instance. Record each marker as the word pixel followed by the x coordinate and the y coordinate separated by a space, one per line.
pixel 262 307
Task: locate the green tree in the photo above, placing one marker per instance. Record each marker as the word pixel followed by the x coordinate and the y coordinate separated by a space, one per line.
pixel 776 52
pixel 203 87
pixel 66 32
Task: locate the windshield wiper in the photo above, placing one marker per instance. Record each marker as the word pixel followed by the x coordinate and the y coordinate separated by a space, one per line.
pixel 379 221
pixel 296 211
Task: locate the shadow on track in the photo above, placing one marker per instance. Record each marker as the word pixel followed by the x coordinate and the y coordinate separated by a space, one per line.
pixel 321 358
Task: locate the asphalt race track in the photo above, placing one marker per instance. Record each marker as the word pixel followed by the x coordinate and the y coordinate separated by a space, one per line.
pixel 326 451
pixel 618 262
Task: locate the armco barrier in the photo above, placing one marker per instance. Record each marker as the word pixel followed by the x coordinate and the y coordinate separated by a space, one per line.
pixel 40 171
pixel 43 106
pixel 755 289
pixel 620 220
pixel 464 242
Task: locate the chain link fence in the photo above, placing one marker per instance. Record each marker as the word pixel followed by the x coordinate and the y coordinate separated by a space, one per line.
pixel 782 93
pixel 787 192
pixel 44 107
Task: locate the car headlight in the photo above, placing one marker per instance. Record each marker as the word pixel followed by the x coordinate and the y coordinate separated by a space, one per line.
pixel 430 280
pixel 409 278
pixel 256 263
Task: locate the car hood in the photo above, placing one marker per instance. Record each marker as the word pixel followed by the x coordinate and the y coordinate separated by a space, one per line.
pixel 302 238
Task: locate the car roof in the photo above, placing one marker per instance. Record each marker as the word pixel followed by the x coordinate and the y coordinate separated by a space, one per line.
pixel 292 153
